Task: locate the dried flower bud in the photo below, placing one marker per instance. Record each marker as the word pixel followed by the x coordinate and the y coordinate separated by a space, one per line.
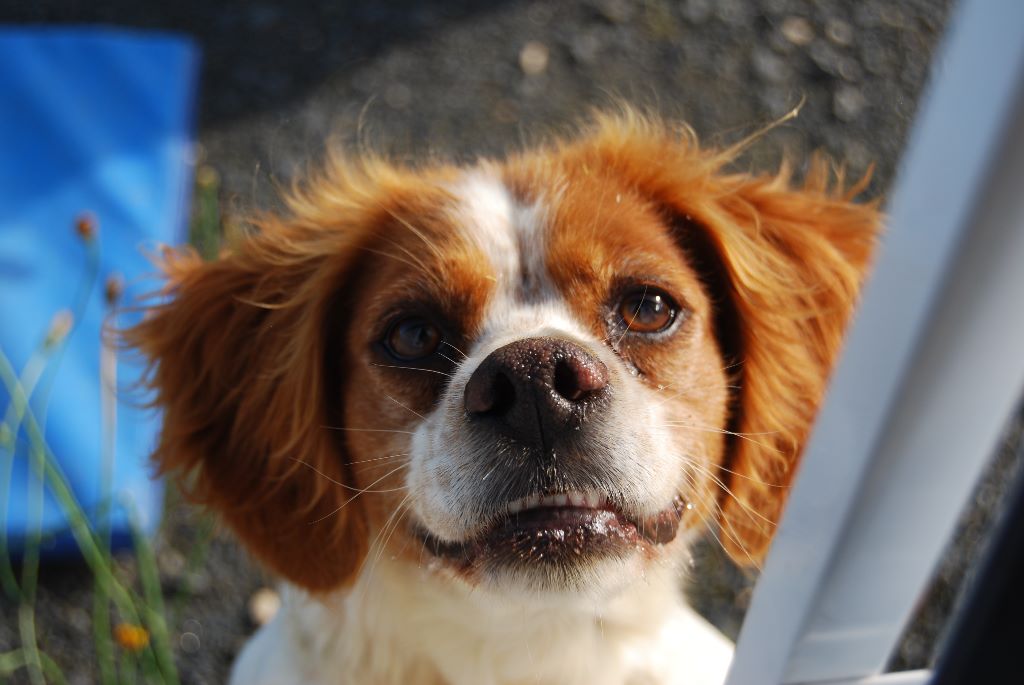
pixel 60 326
pixel 131 637
pixel 114 288
pixel 207 177
pixel 85 226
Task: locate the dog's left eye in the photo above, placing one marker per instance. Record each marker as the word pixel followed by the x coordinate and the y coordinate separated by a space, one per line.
pixel 412 338
pixel 647 310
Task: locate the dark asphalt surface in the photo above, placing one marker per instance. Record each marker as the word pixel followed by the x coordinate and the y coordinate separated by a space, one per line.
pixel 463 79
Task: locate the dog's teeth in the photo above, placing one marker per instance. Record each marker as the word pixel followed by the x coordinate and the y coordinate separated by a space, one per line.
pixel 575 498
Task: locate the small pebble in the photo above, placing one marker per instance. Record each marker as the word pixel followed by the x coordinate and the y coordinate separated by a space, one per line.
pixel 263 605
pixel 585 47
pixel 616 11
pixel 533 58
pixel 768 66
pixel 797 30
pixel 825 57
pixel 839 32
pixel 848 102
pixel 850 69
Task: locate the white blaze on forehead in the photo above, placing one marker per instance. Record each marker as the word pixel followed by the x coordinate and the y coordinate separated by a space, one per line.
pixel 513 238
pixel 512 235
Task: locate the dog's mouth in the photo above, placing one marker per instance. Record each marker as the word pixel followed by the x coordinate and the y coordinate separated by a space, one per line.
pixel 558 528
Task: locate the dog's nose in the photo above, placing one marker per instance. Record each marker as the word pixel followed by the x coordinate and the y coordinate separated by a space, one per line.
pixel 536 390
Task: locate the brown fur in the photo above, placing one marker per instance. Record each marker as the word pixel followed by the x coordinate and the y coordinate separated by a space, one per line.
pixel 793 258
pixel 257 357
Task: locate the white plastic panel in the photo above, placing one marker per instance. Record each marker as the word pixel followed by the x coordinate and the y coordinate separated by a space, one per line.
pixel 932 368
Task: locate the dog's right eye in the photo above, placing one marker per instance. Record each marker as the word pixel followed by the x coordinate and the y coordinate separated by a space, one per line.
pixel 412 338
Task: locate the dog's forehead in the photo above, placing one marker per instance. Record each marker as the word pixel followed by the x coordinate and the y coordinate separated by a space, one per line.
pixel 510 232
pixel 556 242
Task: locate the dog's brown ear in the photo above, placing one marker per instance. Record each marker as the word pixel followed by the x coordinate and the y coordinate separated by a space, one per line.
pixel 790 260
pixel 237 363
pixel 794 259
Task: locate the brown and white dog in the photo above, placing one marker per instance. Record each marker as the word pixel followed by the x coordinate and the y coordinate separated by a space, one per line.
pixel 475 416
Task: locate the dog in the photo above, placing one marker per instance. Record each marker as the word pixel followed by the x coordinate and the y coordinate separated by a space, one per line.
pixel 474 416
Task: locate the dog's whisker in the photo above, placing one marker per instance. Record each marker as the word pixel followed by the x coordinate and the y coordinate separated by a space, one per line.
pixel 445 356
pixel 710 429
pixel 415 413
pixel 738 540
pixel 362 491
pixel 716 509
pixel 718 481
pixel 367 430
pixel 388 456
pixel 464 355
pixel 317 471
pixel 378 547
pixel 413 368
pixel 665 400
pixel 690 460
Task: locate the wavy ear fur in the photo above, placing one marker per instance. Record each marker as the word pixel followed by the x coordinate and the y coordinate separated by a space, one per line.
pixel 239 362
pixel 795 259
pixel 792 259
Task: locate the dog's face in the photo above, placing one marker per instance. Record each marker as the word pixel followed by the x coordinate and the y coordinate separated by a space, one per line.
pixel 533 374
pixel 551 365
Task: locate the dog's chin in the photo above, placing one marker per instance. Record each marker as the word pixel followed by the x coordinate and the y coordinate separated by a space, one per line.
pixel 557 548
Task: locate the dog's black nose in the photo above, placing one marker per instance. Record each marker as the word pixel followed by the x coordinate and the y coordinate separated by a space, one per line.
pixel 537 390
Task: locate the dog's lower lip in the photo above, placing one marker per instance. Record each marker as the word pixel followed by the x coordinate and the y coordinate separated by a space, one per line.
pixel 562 531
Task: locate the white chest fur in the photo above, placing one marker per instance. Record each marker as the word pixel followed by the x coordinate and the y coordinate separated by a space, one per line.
pixel 402 625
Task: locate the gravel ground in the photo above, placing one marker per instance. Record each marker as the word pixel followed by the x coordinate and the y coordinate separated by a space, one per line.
pixel 462 79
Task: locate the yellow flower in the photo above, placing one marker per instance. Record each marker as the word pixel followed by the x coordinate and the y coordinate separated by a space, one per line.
pixel 131 637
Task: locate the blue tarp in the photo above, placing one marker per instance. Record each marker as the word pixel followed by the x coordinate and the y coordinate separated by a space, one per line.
pixel 94 124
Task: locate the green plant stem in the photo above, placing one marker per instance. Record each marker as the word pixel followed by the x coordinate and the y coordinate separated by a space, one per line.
pixel 30 571
pixel 19 393
pixel 129 669
pixel 27 629
pixel 13 661
pixel 101 635
pixel 154 605
pixel 30 376
pixel 101 601
pixel 98 563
